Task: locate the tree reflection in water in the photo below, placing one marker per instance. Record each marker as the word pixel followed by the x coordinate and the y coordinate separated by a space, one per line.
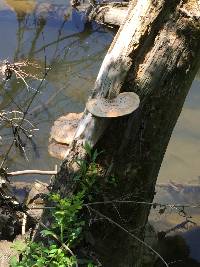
pixel 180 250
pixel 46 35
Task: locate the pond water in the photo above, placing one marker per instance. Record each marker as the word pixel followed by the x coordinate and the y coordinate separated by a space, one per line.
pixel 49 35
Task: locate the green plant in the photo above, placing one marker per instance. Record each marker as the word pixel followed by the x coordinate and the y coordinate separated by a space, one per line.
pixel 88 169
pixel 65 230
pixel 66 219
pixel 37 255
pixel 19 246
pixel 67 226
pixel 93 154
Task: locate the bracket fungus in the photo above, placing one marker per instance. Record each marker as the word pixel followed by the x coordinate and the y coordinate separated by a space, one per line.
pixel 124 104
pixel 58 150
pixel 62 134
pixel 64 128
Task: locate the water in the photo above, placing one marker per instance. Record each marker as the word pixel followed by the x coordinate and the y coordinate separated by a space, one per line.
pixel 181 161
pixel 40 31
pixel 49 33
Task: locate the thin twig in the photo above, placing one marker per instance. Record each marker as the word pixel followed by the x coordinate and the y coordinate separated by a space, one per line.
pixel 197 205
pixel 7 153
pixel 25 113
pixel 172 206
pixel 22 78
pixel 180 225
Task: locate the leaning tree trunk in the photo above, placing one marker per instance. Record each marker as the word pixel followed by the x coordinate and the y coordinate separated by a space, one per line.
pixel 110 14
pixel 154 54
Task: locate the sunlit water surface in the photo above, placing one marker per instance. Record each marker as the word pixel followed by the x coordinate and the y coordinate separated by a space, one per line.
pixel 46 33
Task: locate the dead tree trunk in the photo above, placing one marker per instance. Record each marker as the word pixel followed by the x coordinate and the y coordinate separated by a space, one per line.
pixel 112 14
pixel 154 54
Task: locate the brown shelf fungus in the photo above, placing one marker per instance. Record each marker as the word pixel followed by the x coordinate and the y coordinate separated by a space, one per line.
pixel 124 104
pixel 64 128
pixel 62 134
pixel 58 150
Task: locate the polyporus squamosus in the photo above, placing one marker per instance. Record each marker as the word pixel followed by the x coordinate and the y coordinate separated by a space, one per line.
pixel 62 134
pixel 125 103
pixel 64 128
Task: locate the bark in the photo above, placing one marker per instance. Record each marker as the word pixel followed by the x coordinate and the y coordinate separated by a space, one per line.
pixel 155 54
pixel 112 14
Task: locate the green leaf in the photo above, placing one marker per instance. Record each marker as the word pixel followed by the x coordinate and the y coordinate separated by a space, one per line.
pixel 47 233
pixel 53 251
pixel 95 155
pixel 88 149
pixel 14 262
pixel 19 246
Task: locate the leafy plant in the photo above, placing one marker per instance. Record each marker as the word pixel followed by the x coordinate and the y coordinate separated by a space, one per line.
pixel 67 223
pixel 19 246
pixel 66 220
pixel 93 154
pixel 36 255
pixel 88 169
pixel 65 230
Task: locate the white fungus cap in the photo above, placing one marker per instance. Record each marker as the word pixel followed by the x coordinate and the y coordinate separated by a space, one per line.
pixel 65 127
pixel 125 103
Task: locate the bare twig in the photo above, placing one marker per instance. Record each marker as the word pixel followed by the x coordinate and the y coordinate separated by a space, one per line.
pixel 197 205
pixel 24 172
pixel 25 114
pixel 7 69
pixel 167 205
pixel 24 220
pixel 180 225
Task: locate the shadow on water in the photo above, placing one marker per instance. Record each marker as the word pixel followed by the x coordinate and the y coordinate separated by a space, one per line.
pixel 177 236
pixel 180 250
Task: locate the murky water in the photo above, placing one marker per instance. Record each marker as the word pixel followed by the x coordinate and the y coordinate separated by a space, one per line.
pixel 182 159
pixel 48 33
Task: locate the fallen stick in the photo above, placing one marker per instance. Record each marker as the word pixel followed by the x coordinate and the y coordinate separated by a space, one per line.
pixel 24 172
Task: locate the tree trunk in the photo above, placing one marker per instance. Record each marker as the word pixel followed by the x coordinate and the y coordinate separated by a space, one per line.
pixel 112 14
pixel 154 54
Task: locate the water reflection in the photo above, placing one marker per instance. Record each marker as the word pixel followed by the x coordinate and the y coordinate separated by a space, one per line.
pixel 45 34
pixel 181 165
pixel 181 162
pixel 180 250
pixel 21 7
